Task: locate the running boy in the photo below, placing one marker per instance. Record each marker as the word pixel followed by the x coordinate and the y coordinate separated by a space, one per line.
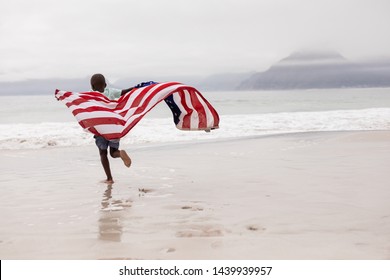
pixel 98 83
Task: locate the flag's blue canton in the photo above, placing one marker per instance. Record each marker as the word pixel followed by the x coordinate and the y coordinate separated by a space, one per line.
pixel 174 108
pixel 144 84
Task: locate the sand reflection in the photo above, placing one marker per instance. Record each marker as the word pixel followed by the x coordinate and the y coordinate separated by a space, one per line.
pixel 111 216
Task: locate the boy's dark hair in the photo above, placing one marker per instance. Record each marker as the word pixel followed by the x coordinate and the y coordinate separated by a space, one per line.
pixel 98 82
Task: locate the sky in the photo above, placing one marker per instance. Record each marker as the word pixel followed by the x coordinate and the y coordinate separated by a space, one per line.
pixel 41 39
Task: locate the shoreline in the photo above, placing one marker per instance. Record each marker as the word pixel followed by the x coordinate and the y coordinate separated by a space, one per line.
pixel 311 195
pixel 178 143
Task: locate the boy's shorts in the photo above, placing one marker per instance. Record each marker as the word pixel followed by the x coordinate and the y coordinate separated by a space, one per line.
pixel 103 143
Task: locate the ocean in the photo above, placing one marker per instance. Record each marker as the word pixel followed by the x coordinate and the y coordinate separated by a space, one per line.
pixel 40 121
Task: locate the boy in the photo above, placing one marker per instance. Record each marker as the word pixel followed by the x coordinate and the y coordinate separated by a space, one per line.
pixel 98 83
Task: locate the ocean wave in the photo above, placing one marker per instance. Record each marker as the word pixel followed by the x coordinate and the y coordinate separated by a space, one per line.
pixel 162 130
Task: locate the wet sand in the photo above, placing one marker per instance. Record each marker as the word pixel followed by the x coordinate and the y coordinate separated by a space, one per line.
pixel 298 196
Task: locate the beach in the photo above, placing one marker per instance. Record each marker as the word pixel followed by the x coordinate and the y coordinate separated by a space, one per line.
pixel 312 195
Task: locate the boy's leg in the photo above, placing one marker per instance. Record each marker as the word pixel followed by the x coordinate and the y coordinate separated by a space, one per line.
pixel 106 165
pixel 114 152
pixel 102 145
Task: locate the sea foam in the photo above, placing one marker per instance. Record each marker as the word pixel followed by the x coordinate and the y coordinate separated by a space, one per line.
pixel 162 130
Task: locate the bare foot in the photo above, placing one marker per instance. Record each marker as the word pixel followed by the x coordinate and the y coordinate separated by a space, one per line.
pixel 108 181
pixel 126 159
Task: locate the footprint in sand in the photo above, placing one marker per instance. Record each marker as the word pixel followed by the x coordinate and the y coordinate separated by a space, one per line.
pixel 192 208
pixel 143 190
pixel 168 250
pixel 255 228
pixel 200 231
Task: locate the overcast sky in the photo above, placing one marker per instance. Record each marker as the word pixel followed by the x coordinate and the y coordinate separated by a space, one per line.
pixel 119 38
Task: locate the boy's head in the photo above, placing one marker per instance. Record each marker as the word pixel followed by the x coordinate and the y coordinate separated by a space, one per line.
pixel 98 82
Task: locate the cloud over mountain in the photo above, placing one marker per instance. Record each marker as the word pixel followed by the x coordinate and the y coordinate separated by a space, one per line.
pixel 304 70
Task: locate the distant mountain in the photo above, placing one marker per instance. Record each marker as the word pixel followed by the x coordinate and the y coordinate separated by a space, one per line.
pixel 305 70
pixel 43 86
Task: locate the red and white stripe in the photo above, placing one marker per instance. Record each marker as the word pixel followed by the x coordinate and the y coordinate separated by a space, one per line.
pixel 113 119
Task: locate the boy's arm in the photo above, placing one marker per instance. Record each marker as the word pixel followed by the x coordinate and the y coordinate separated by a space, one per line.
pixel 143 84
pixel 124 91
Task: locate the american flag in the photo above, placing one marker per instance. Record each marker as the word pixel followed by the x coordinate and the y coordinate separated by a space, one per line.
pixel 113 119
